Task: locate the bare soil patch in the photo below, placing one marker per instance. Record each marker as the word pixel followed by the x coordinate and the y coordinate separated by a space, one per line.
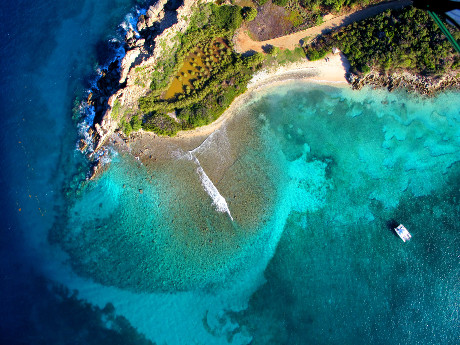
pixel 271 21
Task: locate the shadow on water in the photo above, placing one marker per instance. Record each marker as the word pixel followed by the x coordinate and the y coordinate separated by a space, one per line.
pixel 391 224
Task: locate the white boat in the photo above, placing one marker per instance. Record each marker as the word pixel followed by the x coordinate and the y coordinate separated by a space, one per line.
pixel 403 233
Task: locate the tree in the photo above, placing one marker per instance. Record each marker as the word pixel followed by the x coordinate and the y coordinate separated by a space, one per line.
pixel 272 50
pixel 249 13
pixel 280 2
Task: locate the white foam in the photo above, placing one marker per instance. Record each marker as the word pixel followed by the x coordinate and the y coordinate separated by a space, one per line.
pixel 130 22
pixel 87 114
pixel 217 199
pixel 205 144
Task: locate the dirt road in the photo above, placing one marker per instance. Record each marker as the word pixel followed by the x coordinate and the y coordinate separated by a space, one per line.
pixel 244 43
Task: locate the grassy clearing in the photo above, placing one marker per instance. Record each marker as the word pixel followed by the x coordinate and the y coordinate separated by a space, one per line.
pixel 287 56
pixel 295 18
pixel 199 65
pixel 199 78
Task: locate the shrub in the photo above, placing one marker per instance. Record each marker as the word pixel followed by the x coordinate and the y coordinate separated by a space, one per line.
pixel 161 124
pixel 295 18
pixel 116 109
pixel 249 13
pixel 314 54
pixel 136 123
pixel 281 2
pixel 226 17
pixel 364 69
pixel 272 50
pixel 126 127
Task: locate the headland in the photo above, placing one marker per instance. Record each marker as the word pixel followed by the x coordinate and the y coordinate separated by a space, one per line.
pixel 184 72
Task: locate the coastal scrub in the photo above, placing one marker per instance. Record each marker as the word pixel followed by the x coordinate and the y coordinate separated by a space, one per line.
pixel 202 78
pixel 406 39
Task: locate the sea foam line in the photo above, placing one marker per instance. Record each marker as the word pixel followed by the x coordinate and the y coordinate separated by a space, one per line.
pixel 87 111
pixel 217 199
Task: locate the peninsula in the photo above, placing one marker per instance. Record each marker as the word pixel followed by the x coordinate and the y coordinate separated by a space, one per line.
pixel 187 61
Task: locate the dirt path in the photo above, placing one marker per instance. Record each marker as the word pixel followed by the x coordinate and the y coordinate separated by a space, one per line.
pixel 244 43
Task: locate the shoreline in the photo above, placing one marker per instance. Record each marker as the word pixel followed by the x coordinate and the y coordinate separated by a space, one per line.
pixel 332 72
pixel 150 148
pixel 124 84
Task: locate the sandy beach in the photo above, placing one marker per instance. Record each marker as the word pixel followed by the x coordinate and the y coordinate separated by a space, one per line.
pixel 151 148
pixel 332 71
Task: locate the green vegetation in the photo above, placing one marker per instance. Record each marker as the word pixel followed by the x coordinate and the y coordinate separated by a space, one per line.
pixel 161 124
pixel 198 79
pixel 225 17
pixel 324 5
pixel 281 2
pixel 136 123
pixel 249 13
pixel 295 18
pixel 126 127
pixel 286 56
pixel 115 109
pixel 272 50
pixel 198 66
pixel 404 39
pixel 208 101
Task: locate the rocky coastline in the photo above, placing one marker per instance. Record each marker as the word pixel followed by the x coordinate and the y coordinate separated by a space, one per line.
pixel 125 81
pixel 423 85
pixel 156 34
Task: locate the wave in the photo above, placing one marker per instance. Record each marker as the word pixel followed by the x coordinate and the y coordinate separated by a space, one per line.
pixel 217 199
pixel 130 22
pixel 205 144
pixel 86 112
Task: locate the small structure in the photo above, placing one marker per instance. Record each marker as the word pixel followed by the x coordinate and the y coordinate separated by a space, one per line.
pixel 335 50
pixel 403 233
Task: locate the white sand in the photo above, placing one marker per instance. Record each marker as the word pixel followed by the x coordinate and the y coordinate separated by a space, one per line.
pixel 332 71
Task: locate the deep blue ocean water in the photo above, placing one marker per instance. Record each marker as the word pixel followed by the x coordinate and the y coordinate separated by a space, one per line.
pixel 314 176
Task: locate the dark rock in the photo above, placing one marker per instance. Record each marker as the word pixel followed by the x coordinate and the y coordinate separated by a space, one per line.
pixel 97 169
pixel 82 145
pixel 424 85
pixel 141 24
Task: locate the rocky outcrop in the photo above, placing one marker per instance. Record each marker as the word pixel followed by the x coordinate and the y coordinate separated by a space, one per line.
pixel 127 62
pixel 108 124
pixel 157 37
pixel 154 14
pixel 424 85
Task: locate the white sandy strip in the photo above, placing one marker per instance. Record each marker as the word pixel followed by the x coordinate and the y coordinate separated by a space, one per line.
pixel 331 71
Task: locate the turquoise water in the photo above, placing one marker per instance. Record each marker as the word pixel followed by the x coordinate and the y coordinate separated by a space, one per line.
pixel 313 176
pixel 339 274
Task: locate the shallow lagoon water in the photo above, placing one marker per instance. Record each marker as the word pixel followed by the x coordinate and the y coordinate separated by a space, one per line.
pixel 314 177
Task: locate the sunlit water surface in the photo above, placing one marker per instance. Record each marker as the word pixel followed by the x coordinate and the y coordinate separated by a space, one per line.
pixel 313 178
